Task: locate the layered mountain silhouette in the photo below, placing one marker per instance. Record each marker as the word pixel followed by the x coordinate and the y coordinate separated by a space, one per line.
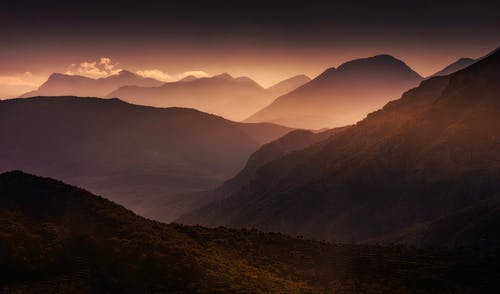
pixel 73 85
pixel 232 98
pixel 136 155
pixel 288 85
pixel 341 96
pixel 422 170
pixel 56 238
pixel 455 66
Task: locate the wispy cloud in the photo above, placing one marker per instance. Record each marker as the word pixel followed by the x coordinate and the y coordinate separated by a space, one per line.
pixel 95 69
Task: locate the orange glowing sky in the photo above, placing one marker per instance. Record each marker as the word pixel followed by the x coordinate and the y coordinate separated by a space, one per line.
pixel 265 40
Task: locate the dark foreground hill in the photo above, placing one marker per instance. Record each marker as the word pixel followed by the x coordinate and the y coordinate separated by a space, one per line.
pixel 425 170
pixel 136 155
pixel 56 238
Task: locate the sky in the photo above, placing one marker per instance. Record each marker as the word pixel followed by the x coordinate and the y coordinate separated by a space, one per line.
pixel 265 40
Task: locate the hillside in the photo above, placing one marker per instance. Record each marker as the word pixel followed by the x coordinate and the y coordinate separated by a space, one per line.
pixel 289 143
pixel 55 238
pixel 420 169
pixel 136 155
pixel 341 96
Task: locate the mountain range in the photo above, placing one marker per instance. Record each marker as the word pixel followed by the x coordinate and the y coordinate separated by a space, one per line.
pixel 224 95
pixel 133 154
pixel 423 170
pixel 341 96
pixel 55 238
pixel 74 85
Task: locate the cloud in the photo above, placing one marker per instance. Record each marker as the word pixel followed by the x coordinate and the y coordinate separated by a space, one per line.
pixel 155 74
pixel 104 67
pixel 95 69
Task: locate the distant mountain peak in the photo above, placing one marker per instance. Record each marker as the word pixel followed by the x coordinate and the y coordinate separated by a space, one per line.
pixel 126 73
pixel 245 80
pixel 378 61
pixel 224 76
pixel 188 78
pixel 300 76
pixel 55 75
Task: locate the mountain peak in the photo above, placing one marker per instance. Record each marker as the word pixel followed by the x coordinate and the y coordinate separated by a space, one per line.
pixel 57 75
pixel 188 78
pixel 377 61
pixel 126 73
pixel 224 76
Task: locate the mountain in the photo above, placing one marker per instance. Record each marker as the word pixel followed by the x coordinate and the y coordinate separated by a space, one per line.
pixel 341 96
pixel 55 238
pixel 224 95
pixel 136 155
pixel 455 66
pixel 74 85
pixel 288 85
pixel 424 170
pixel 188 78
